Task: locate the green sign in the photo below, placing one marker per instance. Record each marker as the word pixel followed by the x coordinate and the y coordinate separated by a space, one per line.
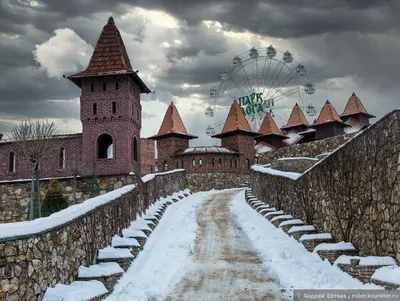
pixel 254 103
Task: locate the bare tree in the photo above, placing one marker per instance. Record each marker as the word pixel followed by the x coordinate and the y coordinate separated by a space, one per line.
pixel 35 141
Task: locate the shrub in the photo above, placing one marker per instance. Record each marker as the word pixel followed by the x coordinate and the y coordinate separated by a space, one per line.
pixel 54 200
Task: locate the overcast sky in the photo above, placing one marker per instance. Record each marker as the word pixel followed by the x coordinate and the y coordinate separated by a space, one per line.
pixel 181 46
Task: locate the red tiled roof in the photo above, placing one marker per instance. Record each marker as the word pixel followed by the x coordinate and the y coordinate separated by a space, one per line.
pixel 328 114
pixel 172 124
pixel 354 106
pixel 269 127
pixel 296 118
pixel 109 57
pixel 236 121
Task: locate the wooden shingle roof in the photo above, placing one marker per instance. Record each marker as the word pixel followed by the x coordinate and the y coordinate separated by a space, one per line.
pixel 109 58
pixel 328 114
pixel 269 127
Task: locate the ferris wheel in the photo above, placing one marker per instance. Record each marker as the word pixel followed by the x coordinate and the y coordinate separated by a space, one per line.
pixel 263 81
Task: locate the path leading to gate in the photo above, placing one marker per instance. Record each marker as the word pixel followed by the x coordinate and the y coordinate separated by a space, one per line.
pixel 225 265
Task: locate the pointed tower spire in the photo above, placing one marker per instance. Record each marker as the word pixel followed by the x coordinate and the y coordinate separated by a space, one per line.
pixel 355 107
pixel 297 119
pixel 270 133
pixel 172 125
pixel 328 123
pixel 235 122
pixel 109 58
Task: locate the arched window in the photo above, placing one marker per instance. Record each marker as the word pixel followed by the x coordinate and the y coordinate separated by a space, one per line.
pixel 135 149
pixel 177 164
pixel 200 162
pixel 181 163
pixel 61 158
pixel 213 162
pixel 220 162
pixel 11 162
pixel 105 147
pixel 165 165
pixel 194 162
pixel 235 163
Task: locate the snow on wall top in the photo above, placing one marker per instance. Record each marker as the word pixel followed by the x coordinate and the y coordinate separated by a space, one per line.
pixel 269 170
pixel 368 260
pixel 151 176
pixel 59 218
pixel 390 274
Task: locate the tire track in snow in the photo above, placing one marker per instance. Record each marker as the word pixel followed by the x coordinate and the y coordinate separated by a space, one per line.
pixel 226 266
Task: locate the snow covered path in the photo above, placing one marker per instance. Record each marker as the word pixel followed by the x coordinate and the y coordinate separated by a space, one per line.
pixel 225 264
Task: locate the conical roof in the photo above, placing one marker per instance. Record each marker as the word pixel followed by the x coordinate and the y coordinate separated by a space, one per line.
pixel 236 121
pixel 269 127
pixel 172 125
pixel 328 114
pixel 109 57
pixel 296 118
pixel 354 106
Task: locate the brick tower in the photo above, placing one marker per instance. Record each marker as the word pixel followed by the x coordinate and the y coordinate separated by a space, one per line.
pixel 237 134
pixel 171 138
pixel 110 107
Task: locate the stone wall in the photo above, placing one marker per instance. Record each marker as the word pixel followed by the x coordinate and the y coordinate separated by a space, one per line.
pixel 15 195
pixel 354 193
pixel 31 263
pixel 310 149
pixel 295 164
pixel 208 181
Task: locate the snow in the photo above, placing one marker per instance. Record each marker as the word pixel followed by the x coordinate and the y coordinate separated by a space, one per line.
pixel 151 176
pixel 274 212
pixel 301 228
pixel 163 260
pixel 281 217
pixel 368 260
pixel 59 218
pixel 273 209
pixel 298 158
pixel 316 236
pixel 334 246
pixel 123 241
pixel 287 259
pixel 291 222
pixel 268 170
pixel 76 291
pixel 110 252
pixel 99 270
pixel 133 233
pixel 390 274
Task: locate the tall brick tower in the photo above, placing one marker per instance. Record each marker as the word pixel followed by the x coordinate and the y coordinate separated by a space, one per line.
pixel 171 138
pixel 110 107
pixel 237 134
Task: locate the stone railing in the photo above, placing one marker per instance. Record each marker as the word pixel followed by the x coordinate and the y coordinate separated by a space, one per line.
pixel 46 251
pixel 354 193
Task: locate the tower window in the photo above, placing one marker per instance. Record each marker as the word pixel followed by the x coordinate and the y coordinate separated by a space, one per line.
pixel 135 149
pixel 231 162
pixel 213 162
pixel 61 162
pixel 91 87
pixel 220 162
pixel 248 163
pixel 200 162
pixel 11 162
pixel 181 163
pixel 194 162
pixel 116 85
pixel 235 163
pixel 105 147
pixel 165 165
pixel 114 107
pixel 94 108
pixel 177 164
pixel 104 86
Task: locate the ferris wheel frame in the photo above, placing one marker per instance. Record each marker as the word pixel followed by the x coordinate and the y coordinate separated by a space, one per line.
pixel 248 88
